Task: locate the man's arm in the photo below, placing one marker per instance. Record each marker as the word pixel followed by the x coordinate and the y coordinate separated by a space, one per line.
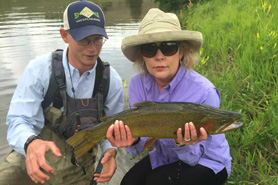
pixel 25 115
pixel 25 118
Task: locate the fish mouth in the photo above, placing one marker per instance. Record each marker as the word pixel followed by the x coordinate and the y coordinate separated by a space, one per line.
pixel 230 127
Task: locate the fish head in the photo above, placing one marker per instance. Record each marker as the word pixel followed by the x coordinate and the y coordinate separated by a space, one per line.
pixel 221 121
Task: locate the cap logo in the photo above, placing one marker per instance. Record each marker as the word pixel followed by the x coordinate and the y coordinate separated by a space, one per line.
pixel 87 12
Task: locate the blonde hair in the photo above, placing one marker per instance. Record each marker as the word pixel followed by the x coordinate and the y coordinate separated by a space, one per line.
pixel 189 60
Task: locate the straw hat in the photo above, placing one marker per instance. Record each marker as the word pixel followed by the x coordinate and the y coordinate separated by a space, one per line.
pixel 159 26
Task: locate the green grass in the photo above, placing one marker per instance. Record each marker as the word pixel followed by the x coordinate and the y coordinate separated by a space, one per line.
pixel 239 55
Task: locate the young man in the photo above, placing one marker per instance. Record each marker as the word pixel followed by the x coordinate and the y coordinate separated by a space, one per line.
pixel 38 133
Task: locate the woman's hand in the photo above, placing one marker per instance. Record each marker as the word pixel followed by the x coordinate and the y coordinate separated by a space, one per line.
pixel 120 135
pixel 190 135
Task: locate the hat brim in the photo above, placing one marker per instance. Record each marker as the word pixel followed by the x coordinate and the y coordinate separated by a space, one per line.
pixel 131 44
pixel 85 31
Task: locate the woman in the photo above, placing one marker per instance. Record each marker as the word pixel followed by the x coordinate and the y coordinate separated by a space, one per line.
pixel 166 55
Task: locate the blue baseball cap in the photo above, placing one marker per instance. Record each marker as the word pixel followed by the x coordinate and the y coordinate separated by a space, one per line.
pixel 84 18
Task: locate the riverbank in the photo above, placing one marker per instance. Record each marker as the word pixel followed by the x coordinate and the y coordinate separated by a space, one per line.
pixel 240 57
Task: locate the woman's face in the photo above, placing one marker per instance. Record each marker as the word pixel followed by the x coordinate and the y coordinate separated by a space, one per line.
pixel 162 67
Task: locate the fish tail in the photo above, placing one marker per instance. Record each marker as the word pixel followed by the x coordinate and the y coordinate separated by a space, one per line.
pixel 80 143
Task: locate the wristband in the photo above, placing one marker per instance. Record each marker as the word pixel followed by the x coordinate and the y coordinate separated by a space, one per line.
pixel 29 140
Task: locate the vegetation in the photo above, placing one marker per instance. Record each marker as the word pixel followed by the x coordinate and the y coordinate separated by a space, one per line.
pixel 175 5
pixel 239 55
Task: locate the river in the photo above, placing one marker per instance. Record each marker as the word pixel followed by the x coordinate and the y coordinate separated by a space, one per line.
pixel 31 27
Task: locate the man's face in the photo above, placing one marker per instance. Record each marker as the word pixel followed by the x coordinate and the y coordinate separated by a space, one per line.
pixel 83 54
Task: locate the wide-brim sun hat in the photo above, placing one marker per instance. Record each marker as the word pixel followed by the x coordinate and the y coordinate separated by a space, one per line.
pixel 159 26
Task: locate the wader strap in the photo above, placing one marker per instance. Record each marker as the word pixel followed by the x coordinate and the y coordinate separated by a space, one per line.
pixel 100 95
pixel 52 95
pixel 103 89
pixel 99 72
pixel 58 70
pixel 48 99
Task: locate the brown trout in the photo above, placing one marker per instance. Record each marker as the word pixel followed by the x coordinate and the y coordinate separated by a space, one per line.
pixel 159 120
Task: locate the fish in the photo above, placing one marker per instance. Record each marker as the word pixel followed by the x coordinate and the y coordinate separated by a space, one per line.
pixel 158 120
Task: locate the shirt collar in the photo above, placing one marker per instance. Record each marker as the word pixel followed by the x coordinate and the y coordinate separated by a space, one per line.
pixel 176 80
pixel 72 68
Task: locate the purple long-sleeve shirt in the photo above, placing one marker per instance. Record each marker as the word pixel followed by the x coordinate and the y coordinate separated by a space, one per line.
pixel 187 86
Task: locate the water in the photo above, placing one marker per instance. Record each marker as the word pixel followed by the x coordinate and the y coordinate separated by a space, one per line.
pixel 30 28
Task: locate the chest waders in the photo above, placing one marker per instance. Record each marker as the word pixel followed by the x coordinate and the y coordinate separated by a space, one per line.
pixel 77 114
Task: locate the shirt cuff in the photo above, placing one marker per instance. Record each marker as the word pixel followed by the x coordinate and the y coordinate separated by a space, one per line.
pixel 105 144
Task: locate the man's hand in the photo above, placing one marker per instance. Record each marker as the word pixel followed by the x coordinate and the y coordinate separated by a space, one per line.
pixel 109 166
pixel 119 135
pixel 35 159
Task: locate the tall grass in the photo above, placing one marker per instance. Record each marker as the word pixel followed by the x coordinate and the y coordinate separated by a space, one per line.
pixel 239 55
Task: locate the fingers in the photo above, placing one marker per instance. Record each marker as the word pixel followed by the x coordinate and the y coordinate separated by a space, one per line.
pixel 180 138
pixel 187 131
pixel 34 171
pixel 130 138
pixel 193 132
pixel 33 164
pixel 119 135
pixel 123 133
pixel 106 175
pixel 203 135
pixel 35 160
pixel 41 158
pixel 55 150
pixel 109 166
pixel 110 136
pixel 100 178
pixel 190 135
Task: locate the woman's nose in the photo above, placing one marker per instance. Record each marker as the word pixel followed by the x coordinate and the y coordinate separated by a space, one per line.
pixel 159 55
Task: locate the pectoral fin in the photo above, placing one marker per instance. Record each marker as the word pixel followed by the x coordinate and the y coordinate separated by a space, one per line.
pixel 149 144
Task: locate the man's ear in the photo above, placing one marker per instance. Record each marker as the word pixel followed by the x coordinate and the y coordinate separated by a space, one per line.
pixel 64 34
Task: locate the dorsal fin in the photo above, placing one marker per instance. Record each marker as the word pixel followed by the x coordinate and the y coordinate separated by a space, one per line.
pixel 141 103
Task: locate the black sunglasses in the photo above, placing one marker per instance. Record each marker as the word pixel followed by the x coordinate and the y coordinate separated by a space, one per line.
pixel 167 48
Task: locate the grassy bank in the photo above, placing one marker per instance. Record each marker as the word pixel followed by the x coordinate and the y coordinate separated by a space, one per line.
pixel 239 56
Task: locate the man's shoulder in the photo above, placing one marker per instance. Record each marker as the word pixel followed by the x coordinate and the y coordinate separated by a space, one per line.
pixel 114 75
pixel 41 61
pixel 40 69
